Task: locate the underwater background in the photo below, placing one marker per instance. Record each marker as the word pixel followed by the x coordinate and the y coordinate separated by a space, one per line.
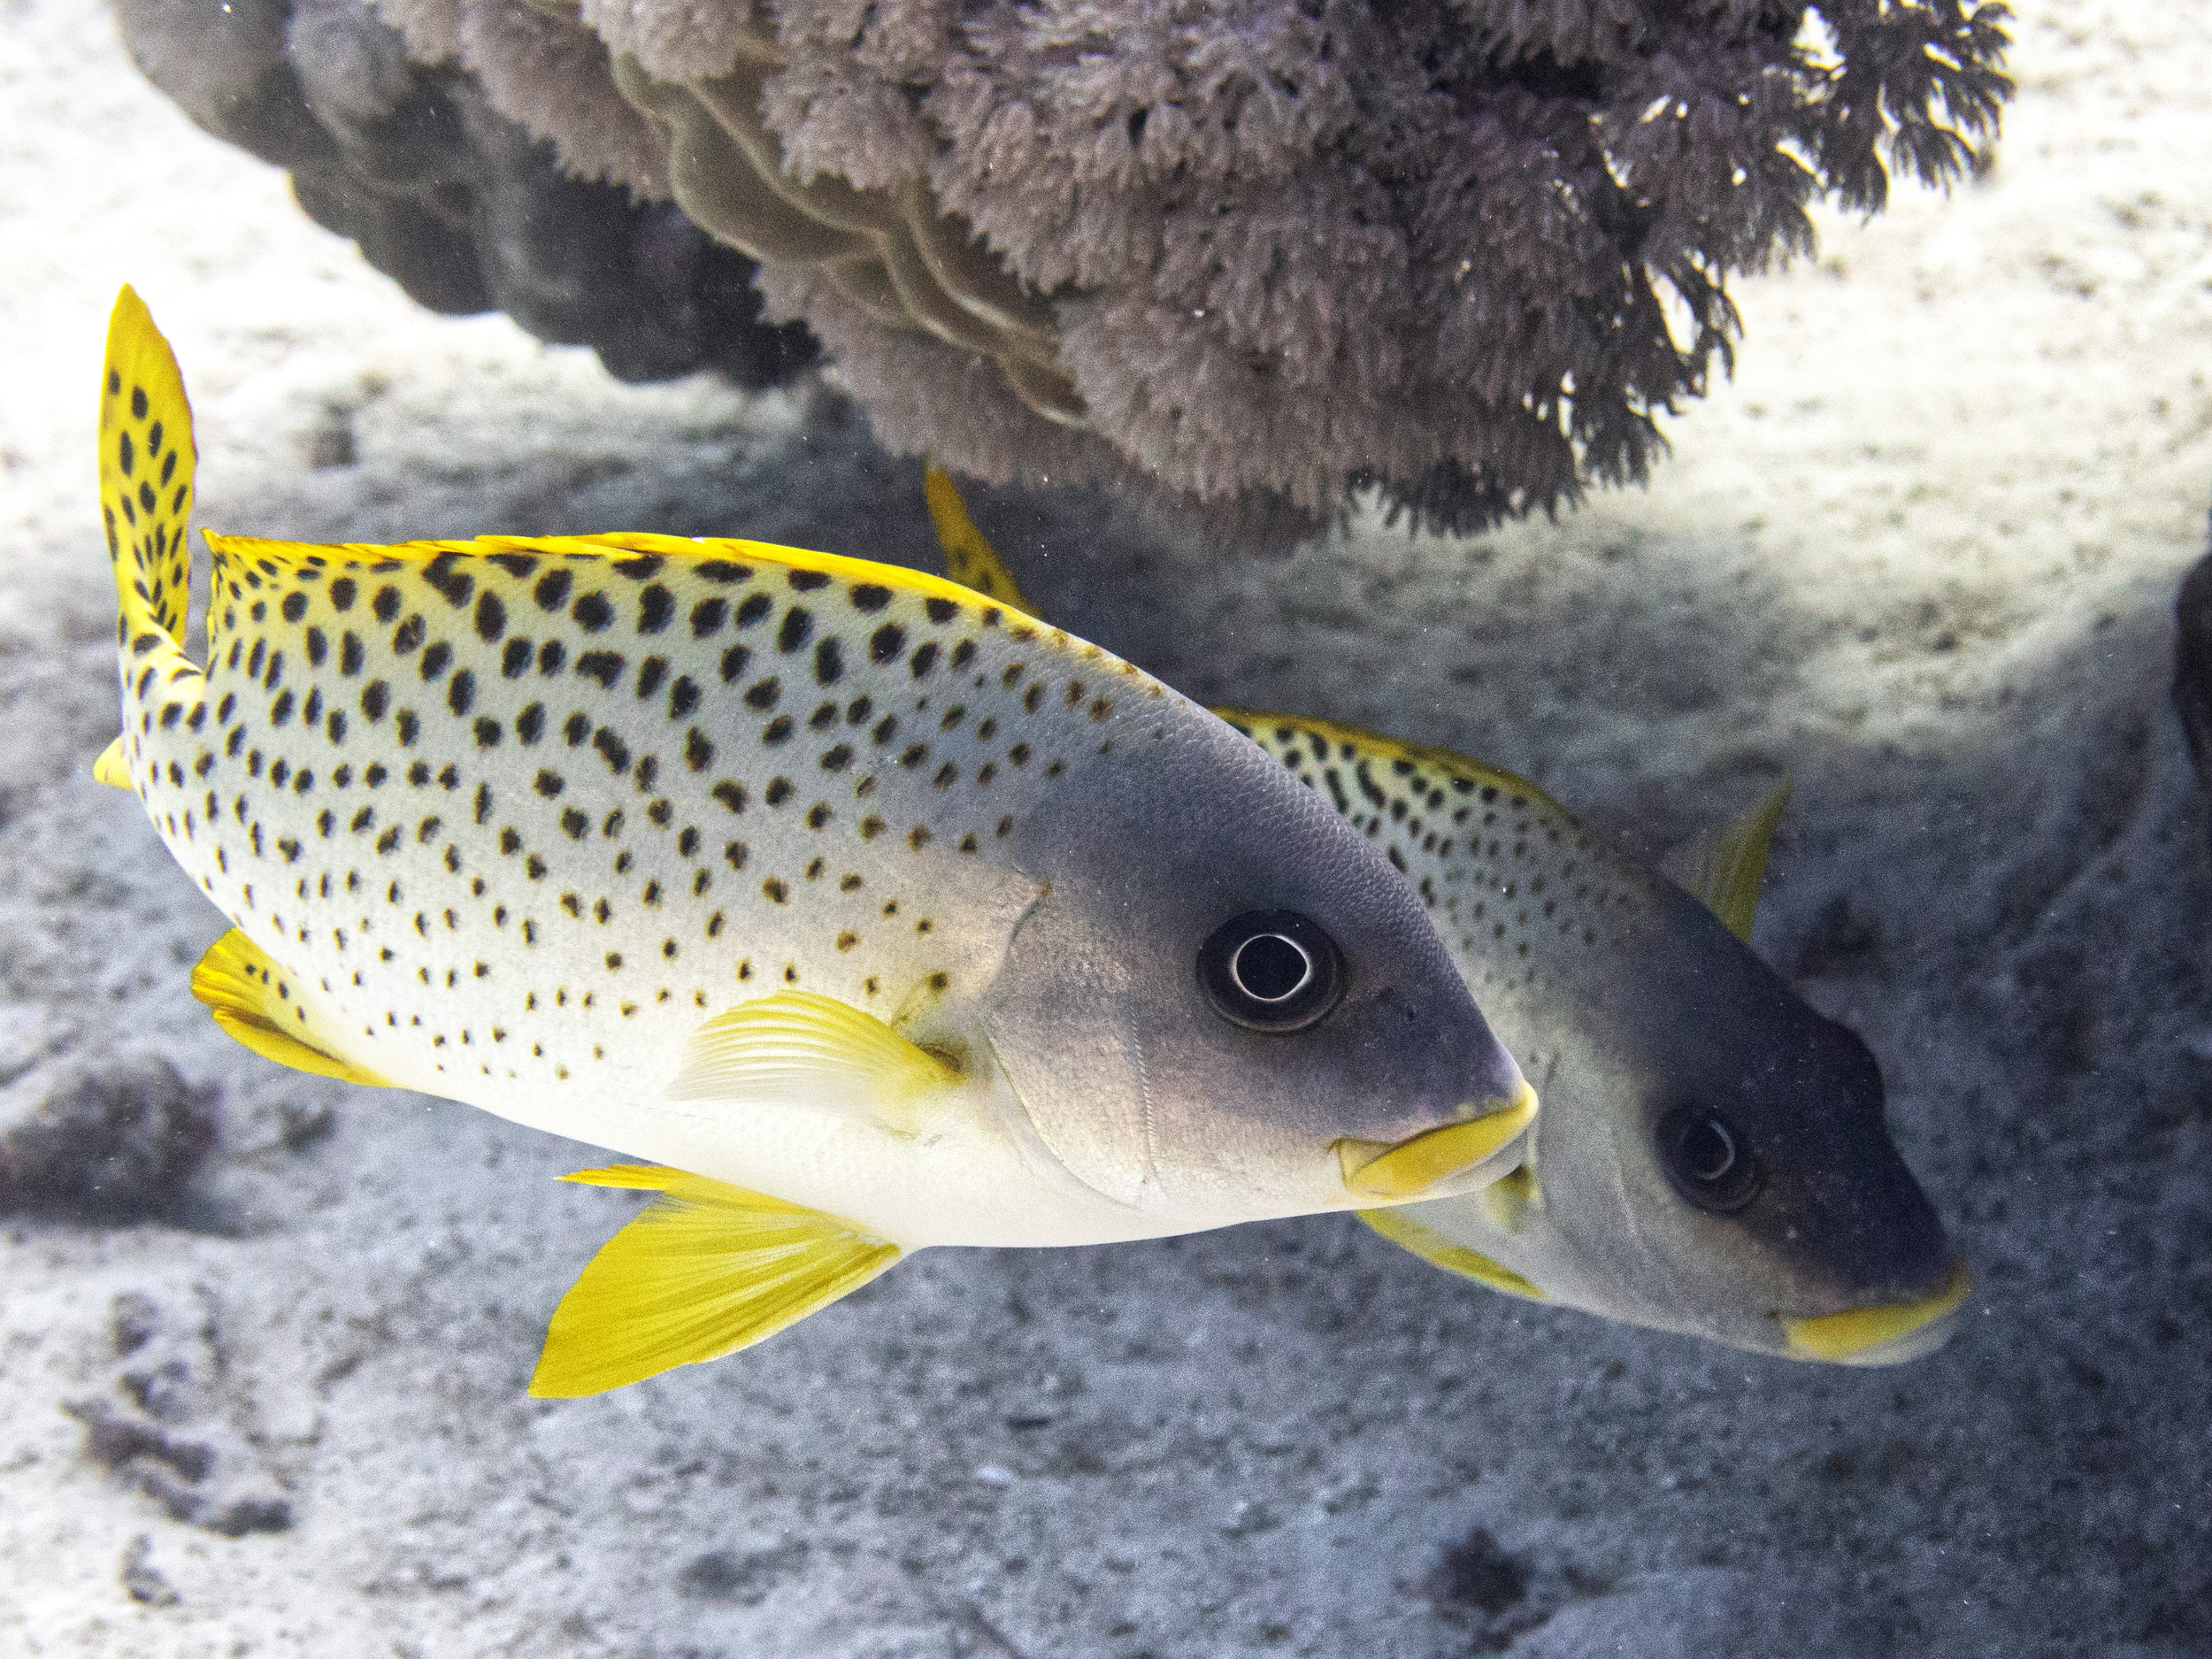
pixel 1920 553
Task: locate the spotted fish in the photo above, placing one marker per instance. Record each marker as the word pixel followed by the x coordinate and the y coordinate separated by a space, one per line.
pixel 876 915
pixel 1712 1157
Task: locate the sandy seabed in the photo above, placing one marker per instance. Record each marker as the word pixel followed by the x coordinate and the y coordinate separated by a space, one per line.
pixel 1920 553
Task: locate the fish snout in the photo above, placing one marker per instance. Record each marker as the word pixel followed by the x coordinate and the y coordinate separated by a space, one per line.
pixel 1888 1333
pixel 1482 1143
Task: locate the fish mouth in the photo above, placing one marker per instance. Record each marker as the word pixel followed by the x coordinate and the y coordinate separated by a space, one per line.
pixel 1888 1334
pixel 1443 1162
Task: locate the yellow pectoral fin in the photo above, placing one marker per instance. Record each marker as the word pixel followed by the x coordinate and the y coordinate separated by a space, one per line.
pixel 1724 871
pixel 799 1048
pixel 1439 1251
pixel 111 769
pixel 706 1271
pixel 252 1000
pixel 970 559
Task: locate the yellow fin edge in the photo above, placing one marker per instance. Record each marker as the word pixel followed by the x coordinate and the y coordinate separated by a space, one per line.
pixel 1439 1251
pixel 1725 869
pixel 1374 745
pixel 250 997
pixel 706 1270
pixel 401 553
pixel 110 768
pixel 969 558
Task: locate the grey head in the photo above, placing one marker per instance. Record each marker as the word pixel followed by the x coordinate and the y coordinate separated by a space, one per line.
pixel 1171 872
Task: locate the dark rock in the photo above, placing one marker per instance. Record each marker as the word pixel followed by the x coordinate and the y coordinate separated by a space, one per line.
pixel 740 1580
pixel 164 1437
pixel 118 1143
pixel 1477 1573
pixel 140 1582
pixel 458 205
pixel 2192 665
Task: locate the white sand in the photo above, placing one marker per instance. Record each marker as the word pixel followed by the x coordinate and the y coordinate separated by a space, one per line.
pixel 1921 552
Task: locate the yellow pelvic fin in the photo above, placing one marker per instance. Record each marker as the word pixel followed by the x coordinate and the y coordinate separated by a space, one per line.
pixel 1722 871
pixel 706 1271
pixel 112 768
pixel 1439 1251
pixel 147 457
pixel 1408 1168
pixel 252 1000
pixel 970 559
pixel 802 1048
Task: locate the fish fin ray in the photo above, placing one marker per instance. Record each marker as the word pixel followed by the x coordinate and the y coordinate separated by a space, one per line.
pixel 1439 1251
pixel 249 995
pixel 1722 871
pixel 801 1048
pixel 112 768
pixel 969 558
pixel 705 1271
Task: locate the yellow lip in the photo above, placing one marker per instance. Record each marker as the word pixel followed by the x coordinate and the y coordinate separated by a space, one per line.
pixel 1408 1168
pixel 1886 1335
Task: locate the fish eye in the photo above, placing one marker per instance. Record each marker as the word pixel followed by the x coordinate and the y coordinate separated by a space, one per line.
pixel 1709 1162
pixel 1272 970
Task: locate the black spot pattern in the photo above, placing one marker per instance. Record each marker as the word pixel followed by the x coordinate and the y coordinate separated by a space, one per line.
pixel 463 895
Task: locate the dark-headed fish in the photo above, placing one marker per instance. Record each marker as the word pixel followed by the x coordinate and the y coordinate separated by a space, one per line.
pixel 798 875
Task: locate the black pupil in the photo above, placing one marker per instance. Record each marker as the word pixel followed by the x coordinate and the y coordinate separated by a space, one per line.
pixel 1708 1152
pixel 1270 967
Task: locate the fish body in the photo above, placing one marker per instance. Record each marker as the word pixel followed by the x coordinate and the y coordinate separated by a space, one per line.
pixel 804 877
pixel 1711 1157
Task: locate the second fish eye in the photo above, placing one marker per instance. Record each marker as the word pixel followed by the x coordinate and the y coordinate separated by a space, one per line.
pixel 1272 970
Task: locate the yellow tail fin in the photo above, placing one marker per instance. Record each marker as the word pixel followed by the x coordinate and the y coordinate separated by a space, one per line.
pixel 147 457
pixel 707 1270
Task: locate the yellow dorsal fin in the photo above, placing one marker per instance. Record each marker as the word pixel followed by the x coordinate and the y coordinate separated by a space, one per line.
pixel 1439 1251
pixel 706 1271
pixel 253 1001
pixel 147 457
pixel 1722 871
pixel 113 767
pixel 970 559
pixel 802 1048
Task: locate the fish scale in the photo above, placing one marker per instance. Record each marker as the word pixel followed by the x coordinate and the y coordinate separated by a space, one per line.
pixel 654 838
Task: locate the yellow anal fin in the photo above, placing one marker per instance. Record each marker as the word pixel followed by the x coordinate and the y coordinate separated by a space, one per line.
pixel 1722 871
pixel 111 769
pixel 1439 1251
pixel 147 457
pixel 970 559
pixel 706 1271
pixel 253 1001
pixel 800 1048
